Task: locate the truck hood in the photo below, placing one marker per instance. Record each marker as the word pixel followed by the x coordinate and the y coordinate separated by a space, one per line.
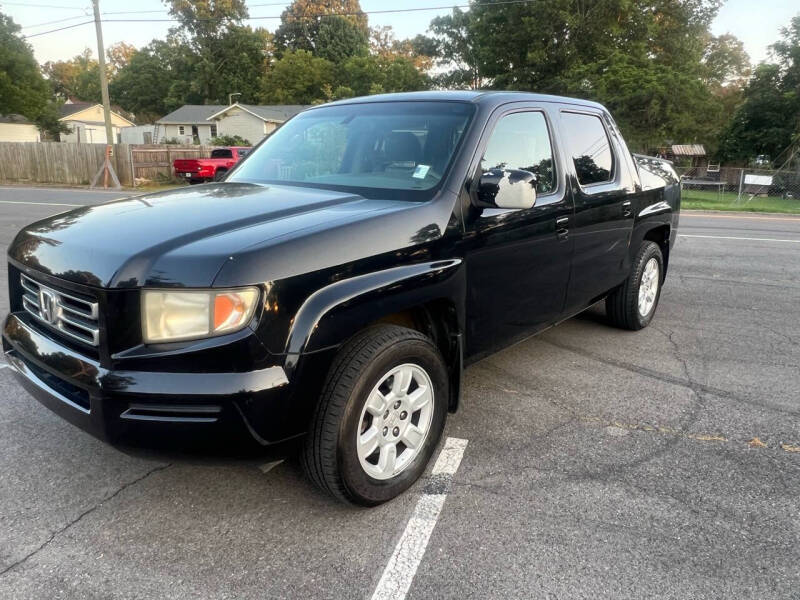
pixel 184 237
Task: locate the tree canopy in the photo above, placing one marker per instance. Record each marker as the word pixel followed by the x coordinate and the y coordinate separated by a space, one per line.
pixel 768 120
pixel 23 90
pixel 654 63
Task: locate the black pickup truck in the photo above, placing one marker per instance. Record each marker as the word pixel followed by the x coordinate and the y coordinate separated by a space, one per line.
pixel 335 285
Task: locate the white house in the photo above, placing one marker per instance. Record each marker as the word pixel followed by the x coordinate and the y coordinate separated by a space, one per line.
pixel 200 122
pixel 188 124
pixel 253 122
pixel 86 122
pixel 139 134
pixel 16 128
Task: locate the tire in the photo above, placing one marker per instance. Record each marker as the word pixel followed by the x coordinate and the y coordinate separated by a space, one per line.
pixel 623 304
pixel 219 174
pixel 333 456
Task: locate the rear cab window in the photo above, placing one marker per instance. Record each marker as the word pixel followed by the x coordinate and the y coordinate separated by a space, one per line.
pixel 590 148
pixel 222 153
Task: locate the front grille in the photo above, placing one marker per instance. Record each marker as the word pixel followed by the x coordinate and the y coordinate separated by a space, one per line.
pixel 72 316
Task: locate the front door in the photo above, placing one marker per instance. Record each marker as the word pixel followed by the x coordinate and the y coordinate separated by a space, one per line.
pixel 518 260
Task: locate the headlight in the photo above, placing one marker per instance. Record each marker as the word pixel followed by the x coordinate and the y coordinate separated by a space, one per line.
pixel 168 316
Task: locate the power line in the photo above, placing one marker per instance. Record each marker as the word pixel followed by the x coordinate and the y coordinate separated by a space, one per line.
pixel 56 21
pixel 55 6
pixel 334 14
pixel 54 30
pixel 278 17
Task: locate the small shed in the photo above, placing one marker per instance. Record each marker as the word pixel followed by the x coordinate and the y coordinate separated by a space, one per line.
pixel 16 128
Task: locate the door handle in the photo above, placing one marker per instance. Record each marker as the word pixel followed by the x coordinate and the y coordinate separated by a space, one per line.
pixel 562 231
pixel 626 209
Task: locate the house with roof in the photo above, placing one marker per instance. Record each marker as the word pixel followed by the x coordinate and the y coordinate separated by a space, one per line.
pixel 253 122
pixel 188 124
pixel 16 128
pixel 195 123
pixel 86 122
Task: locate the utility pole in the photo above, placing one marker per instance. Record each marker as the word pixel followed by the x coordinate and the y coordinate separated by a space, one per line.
pixel 107 169
pixel 101 59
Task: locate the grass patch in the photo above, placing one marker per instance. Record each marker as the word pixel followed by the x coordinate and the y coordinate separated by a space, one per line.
pixel 711 200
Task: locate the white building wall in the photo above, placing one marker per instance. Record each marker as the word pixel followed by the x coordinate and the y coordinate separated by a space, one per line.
pixel 137 135
pixel 168 132
pixel 240 122
pixel 89 133
pixel 19 132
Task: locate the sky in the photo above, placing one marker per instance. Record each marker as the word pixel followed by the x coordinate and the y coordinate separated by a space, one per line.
pixel 757 24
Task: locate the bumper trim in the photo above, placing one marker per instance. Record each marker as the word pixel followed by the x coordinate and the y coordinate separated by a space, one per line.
pixel 20 367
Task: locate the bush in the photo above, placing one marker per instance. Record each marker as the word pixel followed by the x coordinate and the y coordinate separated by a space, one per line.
pixel 229 140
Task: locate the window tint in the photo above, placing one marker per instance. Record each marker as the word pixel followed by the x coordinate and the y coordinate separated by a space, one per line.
pixel 591 151
pixel 521 141
pixel 221 153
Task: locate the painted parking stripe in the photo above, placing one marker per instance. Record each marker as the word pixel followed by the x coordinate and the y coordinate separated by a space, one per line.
pixel 399 573
pixel 4 366
pixel 746 239
pixel 38 203
pixel 743 217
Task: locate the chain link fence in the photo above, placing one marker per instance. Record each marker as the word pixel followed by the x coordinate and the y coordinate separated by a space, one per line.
pixel 741 188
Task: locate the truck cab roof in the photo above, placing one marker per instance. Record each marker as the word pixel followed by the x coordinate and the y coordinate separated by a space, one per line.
pixel 482 97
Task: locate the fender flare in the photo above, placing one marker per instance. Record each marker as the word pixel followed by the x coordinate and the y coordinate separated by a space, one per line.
pixel 397 286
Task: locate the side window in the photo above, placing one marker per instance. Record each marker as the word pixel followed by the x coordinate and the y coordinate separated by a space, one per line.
pixel 521 141
pixel 589 146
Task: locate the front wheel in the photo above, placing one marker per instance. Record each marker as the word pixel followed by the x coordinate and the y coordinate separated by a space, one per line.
pixel 633 304
pixel 380 416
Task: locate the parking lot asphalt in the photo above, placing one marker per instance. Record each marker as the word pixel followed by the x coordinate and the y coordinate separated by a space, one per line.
pixel 599 464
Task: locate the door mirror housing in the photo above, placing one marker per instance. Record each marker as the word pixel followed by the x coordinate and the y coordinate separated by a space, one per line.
pixel 506 188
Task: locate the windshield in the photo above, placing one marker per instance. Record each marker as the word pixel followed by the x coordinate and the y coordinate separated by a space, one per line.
pixel 389 150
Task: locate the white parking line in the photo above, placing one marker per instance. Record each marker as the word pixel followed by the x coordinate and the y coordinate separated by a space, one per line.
pixel 4 366
pixel 38 203
pixel 747 239
pixel 399 573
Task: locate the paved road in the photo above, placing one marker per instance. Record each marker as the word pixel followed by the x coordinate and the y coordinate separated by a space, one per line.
pixel 599 464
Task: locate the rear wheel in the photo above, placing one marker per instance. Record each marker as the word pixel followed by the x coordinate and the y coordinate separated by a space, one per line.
pixel 380 416
pixel 633 304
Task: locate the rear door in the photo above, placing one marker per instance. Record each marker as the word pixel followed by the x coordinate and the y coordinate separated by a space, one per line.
pixel 518 260
pixel 602 190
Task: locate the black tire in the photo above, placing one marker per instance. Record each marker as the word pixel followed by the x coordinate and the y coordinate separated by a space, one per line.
pixel 219 175
pixel 622 305
pixel 329 455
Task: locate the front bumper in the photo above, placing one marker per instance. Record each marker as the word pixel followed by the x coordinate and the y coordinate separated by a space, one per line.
pixel 120 404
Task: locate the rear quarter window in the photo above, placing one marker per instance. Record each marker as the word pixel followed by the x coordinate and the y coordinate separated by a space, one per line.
pixel 589 147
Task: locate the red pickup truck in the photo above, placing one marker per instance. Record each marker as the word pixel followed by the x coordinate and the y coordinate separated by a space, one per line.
pixel 199 170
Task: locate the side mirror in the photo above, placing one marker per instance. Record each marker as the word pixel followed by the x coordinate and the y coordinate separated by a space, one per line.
pixel 507 188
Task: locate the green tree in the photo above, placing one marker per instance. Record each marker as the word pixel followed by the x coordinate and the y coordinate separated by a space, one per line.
pixel 642 58
pixel 145 84
pixel 224 54
pixel 311 24
pixel 77 78
pixel 23 90
pixel 338 39
pixel 299 77
pixel 768 119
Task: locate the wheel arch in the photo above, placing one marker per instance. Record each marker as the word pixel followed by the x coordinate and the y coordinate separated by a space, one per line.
pixel 427 297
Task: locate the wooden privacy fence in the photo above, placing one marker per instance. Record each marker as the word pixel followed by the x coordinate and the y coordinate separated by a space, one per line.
pixel 150 161
pixel 77 164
